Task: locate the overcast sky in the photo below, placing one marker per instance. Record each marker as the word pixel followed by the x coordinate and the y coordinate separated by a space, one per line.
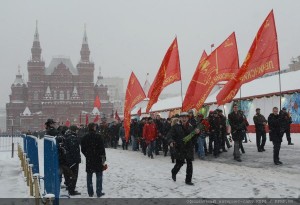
pixel 133 35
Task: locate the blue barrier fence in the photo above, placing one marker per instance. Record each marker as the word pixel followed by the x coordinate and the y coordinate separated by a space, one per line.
pixel 32 152
pixel 24 143
pixel 51 168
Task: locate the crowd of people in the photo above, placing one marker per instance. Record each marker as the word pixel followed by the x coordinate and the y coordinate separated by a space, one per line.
pixel 184 136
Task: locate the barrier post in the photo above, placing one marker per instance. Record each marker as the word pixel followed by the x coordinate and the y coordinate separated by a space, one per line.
pixel 27 171
pixel 30 179
pixel 36 189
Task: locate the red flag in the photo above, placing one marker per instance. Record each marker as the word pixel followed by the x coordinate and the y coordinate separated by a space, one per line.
pixel 68 123
pixel 86 119
pixel 134 94
pixel 97 102
pixel 80 118
pixel 220 65
pixel 96 118
pixel 139 112
pixel 168 73
pixel 262 58
pixel 117 116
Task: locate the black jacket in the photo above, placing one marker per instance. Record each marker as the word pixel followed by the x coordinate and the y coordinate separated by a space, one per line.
pixel 274 128
pixel 236 121
pixel 92 147
pixel 176 134
pixel 259 120
pixel 285 120
pixel 71 145
pixel 51 131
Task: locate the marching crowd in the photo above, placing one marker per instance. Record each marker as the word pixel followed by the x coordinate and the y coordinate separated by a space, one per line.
pixel 182 136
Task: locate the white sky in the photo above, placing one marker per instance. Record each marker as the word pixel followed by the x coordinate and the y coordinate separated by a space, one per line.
pixel 133 35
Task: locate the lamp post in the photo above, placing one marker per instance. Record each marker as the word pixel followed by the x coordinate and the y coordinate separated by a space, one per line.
pixel 12 138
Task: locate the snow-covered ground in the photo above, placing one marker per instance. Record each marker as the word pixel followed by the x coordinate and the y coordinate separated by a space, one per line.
pixel 133 175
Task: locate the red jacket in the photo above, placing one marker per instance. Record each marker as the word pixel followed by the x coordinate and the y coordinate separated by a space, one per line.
pixel 149 132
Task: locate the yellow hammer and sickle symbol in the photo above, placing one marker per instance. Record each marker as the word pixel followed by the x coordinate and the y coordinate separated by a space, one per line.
pixel 204 65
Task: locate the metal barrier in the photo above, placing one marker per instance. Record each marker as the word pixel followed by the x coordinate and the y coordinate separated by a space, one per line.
pixel 32 152
pixel 51 168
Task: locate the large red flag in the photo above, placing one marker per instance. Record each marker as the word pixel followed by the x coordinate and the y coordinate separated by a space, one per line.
pixel 97 102
pixel 134 95
pixel 262 58
pixel 168 73
pixel 117 117
pixel 220 65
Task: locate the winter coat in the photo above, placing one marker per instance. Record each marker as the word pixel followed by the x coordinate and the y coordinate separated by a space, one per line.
pixel 236 121
pixel 122 133
pixel 274 128
pixel 71 145
pixel 51 131
pixel 259 121
pixel 92 147
pixel 150 132
pixel 176 135
pixel 285 120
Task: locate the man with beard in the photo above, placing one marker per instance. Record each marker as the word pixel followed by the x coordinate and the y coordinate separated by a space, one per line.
pixel 260 123
pixel 236 121
pixel 183 151
pixel 275 133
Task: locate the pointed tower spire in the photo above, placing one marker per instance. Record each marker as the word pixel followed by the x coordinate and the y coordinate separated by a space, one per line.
pixel 36 35
pixel 36 48
pixel 85 39
pixel 85 51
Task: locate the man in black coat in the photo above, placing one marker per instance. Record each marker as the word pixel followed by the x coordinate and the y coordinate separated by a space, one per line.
pixel 73 158
pixel 285 123
pixel 215 131
pixel 260 123
pixel 92 147
pixel 236 121
pixel 275 134
pixel 183 151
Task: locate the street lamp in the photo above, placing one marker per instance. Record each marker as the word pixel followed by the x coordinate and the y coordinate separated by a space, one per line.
pixel 12 138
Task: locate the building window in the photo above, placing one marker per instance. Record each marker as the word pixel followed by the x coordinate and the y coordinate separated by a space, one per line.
pixel 68 95
pixel 35 95
pixel 61 95
pixel 54 94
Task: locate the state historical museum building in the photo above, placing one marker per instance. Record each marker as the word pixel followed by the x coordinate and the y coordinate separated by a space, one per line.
pixel 59 91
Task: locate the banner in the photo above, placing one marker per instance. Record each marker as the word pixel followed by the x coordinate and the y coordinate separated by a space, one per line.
pixel 168 73
pixel 262 58
pixel 220 65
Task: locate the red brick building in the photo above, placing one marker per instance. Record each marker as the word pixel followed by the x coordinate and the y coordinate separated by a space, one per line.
pixel 59 91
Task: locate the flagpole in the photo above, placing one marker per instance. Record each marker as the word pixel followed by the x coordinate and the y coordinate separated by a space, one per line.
pixel 279 89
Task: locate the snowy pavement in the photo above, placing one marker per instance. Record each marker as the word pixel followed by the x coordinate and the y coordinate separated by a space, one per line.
pixel 133 175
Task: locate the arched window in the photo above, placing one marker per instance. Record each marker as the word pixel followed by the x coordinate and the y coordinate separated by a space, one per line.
pixel 35 95
pixel 61 95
